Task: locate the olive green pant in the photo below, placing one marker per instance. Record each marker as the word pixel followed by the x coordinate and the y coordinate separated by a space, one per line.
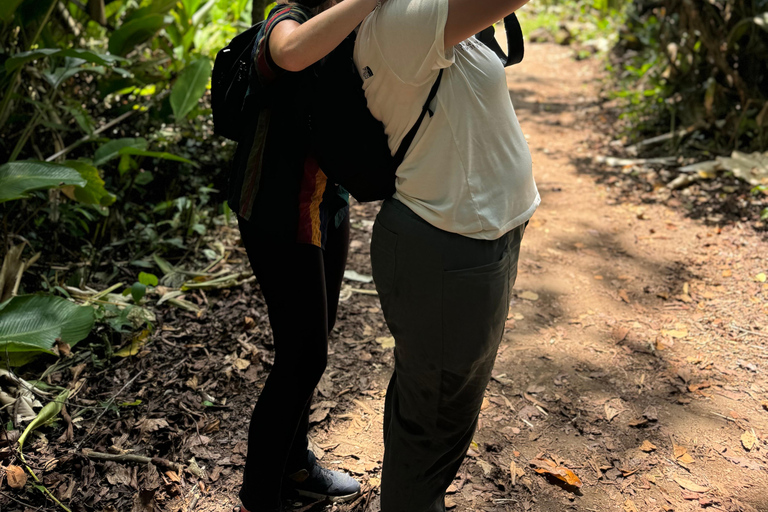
pixel 445 299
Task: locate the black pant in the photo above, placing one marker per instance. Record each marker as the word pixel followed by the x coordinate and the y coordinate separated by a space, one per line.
pixel 301 285
pixel 445 298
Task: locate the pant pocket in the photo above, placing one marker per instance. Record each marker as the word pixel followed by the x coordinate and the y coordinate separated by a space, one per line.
pixel 474 310
pixel 383 258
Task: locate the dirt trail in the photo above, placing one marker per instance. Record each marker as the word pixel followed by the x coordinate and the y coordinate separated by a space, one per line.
pixel 631 323
pixel 635 357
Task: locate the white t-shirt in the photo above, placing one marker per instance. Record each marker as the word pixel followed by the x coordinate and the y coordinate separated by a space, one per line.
pixel 468 171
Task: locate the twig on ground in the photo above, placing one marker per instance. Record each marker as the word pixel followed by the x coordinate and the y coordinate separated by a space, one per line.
pixel 761 334
pixel 106 408
pixel 132 457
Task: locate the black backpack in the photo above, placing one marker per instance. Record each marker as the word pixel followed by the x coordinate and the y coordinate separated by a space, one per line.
pixel 349 143
pixel 229 84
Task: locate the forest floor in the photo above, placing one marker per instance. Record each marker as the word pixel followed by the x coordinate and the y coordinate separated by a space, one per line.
pixel 635 357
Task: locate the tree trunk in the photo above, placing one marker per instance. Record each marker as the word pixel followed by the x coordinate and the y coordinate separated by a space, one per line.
pixel 97 11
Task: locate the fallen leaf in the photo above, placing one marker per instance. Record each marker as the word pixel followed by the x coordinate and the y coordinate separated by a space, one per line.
pixel 629 506
pixel 547 467
pixel 136 345
pixel 619 334
pixel 449 503
pixel 624 295
pixel 599 278
pixel 691 486
pixel 727 273
pixel 761 277
pixel 699 385
pixel 749 440
pixel 528 295
pixel 486 467
pixel 241 364
pixel 610 412
pixel 354 276
pixel 17 477
pixel 386 341
pixel 647 446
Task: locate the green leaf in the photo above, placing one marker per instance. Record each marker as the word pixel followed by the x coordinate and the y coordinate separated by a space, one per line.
pixel 46 414
pixel 85 55
pixel 30 325
pixel 112 149
pixel 8 8
pixel 136 32
pixel 156 7
pixel 155 154
pixel 93 192
pixel 138 290
pixel 190 87
pixel 764 214
pixel 18 179
pixel 147 279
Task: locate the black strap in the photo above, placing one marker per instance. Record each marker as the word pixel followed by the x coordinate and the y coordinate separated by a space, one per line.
pixel 408 139
pixel 515 44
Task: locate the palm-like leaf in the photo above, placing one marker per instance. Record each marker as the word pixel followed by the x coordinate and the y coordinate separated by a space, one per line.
pixel 17 179
pixel 31 324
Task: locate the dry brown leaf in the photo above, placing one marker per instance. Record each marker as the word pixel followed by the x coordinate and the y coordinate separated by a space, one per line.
pixel 675 333
pixel 16 476
pixel 686 459
pixel 699 385
pixel 749 440
pixel 528 295
pixel 679 451
pixel 619 334
pixel 449 503
pixel 547 467
pixel 624 295
pixel 691 486
pixel 647 446
pixel 610 412
pixel 629 506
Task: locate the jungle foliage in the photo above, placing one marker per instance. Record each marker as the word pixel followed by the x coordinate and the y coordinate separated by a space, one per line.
pixel 696 63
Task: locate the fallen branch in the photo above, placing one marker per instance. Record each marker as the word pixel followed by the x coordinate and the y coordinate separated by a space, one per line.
pixel 612 161
pixel 133 458
pixel 634 148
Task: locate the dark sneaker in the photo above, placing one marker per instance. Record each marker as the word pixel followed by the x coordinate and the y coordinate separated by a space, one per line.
pixel 320 483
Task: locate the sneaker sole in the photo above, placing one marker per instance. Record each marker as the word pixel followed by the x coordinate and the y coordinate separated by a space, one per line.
pixel 332 499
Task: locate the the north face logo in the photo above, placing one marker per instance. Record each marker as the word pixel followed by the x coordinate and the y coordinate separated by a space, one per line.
pixel 367 73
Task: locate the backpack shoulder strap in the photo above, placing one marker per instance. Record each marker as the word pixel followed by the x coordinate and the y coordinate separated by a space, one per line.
pixel 515 43
pixel 408 139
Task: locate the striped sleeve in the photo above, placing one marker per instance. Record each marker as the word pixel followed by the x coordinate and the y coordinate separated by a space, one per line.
pixel 265 68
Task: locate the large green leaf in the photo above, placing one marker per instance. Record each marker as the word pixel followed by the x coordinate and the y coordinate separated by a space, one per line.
pixel 93 192
pixel 86 55
pixel 135 32
pixel 111 149
pixel 190 87
pixel 17 179
pixel 30 325
pixel 8 8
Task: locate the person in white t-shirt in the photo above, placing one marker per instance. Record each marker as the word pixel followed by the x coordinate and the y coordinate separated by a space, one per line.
pixel 445 247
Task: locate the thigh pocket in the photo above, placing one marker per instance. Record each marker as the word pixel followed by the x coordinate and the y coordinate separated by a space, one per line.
pixel 475 304
pixel 383 258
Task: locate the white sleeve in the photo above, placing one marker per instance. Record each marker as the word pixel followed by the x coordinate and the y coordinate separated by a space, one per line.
pixel 410 35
